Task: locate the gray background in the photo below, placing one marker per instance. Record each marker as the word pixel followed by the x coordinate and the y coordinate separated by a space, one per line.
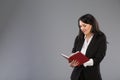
pixel 33 34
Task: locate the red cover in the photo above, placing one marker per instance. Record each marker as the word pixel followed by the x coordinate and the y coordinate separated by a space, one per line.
pixel 78 57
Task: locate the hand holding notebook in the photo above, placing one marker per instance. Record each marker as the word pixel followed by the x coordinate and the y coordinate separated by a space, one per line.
pixel 78 56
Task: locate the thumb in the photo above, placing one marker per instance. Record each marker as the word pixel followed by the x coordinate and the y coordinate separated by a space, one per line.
pixel 77 51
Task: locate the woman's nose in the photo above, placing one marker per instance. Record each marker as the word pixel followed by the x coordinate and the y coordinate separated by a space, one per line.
pixel 81 28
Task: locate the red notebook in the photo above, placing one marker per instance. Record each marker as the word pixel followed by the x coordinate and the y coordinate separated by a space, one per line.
pixel 78 56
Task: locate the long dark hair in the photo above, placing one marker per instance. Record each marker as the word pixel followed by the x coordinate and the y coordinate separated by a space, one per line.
pixel 89 19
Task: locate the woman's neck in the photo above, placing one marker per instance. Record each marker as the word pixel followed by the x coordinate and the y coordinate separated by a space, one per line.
pixel 88 36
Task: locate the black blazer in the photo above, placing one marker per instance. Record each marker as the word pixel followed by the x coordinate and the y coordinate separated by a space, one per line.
pixel 96 50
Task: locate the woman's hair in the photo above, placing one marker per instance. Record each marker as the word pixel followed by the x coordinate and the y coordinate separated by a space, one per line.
pixel 89 19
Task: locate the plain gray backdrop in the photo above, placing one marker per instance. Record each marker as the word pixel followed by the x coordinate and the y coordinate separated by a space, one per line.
pixel 33 34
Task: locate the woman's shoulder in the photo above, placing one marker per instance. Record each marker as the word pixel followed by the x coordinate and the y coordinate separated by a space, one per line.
pixel 100 36
pixel 79 38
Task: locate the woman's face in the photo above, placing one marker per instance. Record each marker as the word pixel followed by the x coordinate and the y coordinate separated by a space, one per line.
pixel 85 28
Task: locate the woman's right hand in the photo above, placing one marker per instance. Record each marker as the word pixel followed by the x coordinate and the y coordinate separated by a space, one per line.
pixel 74 63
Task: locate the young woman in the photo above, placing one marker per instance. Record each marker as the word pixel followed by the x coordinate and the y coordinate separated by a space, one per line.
pixel 91 41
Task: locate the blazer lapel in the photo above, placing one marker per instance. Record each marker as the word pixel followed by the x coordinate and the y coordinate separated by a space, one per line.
pixel 91 45
pixel 80 45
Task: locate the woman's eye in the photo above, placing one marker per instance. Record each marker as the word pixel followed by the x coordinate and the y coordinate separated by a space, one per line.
pixel 84 25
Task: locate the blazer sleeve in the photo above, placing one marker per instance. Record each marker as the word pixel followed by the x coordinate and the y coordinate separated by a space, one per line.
pixel 101 51
pixel 75 45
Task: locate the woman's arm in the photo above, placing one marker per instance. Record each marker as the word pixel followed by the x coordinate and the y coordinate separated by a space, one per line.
pixel 75 45
pixel 101 51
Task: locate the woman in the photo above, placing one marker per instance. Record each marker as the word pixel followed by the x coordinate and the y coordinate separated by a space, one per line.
pixel 92 43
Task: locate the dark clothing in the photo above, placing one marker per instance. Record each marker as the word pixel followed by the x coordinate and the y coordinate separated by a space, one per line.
pixel 96 50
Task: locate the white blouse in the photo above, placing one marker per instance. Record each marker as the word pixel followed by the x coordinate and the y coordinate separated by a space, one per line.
pixel 85 45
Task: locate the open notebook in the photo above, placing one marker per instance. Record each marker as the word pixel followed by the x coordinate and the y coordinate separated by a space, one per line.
pixel 78 56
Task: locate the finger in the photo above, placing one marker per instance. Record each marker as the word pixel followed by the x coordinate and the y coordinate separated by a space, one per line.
pixel 72 63
pixel 76 51
pixel 76 62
